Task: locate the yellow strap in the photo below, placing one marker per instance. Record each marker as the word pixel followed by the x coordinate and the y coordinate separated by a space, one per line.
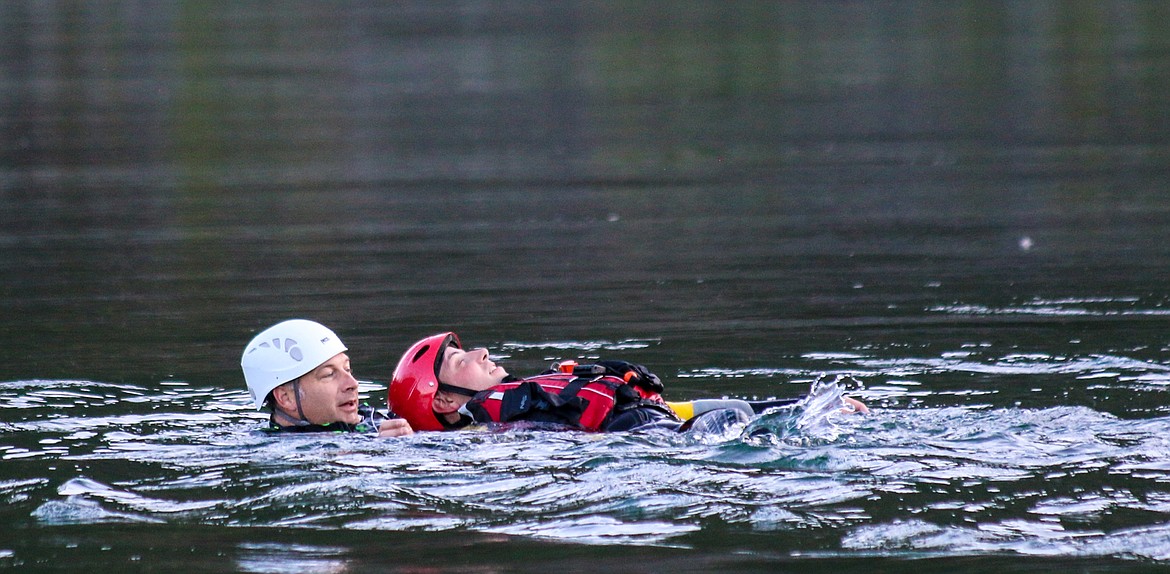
pixel 684 410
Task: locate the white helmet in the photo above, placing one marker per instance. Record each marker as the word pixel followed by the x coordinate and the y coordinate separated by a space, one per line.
pixel 284 352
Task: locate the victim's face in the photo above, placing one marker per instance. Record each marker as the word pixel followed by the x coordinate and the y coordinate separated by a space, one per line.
pixel 470 369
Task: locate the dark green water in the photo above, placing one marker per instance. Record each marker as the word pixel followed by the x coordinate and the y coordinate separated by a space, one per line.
pixel 964 204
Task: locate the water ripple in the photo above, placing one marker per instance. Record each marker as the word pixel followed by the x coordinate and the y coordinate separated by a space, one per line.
pixel 1065 480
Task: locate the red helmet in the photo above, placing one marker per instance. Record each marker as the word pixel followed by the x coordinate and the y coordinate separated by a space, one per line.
pixel 416 380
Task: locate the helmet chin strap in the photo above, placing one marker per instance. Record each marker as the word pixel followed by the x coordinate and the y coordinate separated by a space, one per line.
pixel 302 421
pixel 464 418
pixel 297 394
pixel 457 390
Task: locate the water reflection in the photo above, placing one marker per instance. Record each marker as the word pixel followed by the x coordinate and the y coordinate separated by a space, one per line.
pixel 291 558
pixel 196 100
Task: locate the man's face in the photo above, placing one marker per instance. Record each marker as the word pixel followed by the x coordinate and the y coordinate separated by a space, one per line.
pixel 470 369
pixel 329 393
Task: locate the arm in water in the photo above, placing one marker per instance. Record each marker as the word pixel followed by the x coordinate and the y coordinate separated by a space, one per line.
pixel 689 409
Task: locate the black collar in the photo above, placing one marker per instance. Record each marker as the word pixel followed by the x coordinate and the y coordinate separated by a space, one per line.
pixel 370 422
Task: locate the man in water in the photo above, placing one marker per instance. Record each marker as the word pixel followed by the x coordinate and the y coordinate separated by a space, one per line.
pixel 299 371
pixel 440 386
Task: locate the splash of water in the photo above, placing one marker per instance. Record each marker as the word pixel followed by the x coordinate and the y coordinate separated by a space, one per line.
pixel 810 421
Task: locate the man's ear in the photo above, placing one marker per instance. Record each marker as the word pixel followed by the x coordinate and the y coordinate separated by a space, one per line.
pixel 285 397
pixel 444 403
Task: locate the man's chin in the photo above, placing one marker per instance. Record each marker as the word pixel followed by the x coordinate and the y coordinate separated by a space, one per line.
pixel 348 415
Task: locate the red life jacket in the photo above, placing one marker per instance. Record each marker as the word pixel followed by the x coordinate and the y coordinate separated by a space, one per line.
pixel 584 403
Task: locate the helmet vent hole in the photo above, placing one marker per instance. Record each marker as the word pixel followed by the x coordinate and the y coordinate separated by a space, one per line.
pixel 290 347
pixel 420 353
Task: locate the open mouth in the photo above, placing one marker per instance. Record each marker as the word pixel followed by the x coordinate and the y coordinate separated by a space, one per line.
pixel 349 405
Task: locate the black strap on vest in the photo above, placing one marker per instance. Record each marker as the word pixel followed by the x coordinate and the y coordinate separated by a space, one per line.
pixel 574 387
